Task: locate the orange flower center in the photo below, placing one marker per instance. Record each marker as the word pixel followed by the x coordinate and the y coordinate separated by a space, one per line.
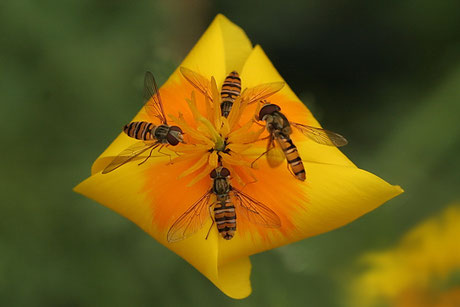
pixel 216 140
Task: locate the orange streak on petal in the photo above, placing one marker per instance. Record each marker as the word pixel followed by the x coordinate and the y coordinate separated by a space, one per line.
pixel 216 97
pixel 225 129
pixel 188 156
pixel 239 148
pixel 234 135
pixel 278 190
pixel 209 109
pixel 234 174
pixel 190 148
pixel 234 159
pixel 235 113
pixel 201 175
pixel 198 164
pixel 192 105
pixel 168 194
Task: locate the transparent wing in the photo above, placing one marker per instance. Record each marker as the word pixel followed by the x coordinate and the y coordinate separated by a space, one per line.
pixel 260 92
pixel 255 211
pixel 198 81
pixel 321 136
pixel 154 105
pixel 275 154
pixel 128 154
pixel 191 221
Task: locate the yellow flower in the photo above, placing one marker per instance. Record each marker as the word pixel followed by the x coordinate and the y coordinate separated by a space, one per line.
pixel 153 195
pixel 422 270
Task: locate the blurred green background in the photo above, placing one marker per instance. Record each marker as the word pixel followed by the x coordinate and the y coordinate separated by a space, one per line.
pixel 386 74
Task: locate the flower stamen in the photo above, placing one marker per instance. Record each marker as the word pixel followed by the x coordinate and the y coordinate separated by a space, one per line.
pixel 219 140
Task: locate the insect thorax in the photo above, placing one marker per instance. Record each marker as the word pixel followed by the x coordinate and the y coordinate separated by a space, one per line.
pixel 221 186
pixel 160 132
pixel 278 124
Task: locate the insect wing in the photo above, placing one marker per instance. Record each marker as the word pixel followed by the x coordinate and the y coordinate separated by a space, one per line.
pixel 154 105
pixel 198 81
pixel 261 92
pixel 191 221
pixel 321 136
pixel 255 211
pixel 128 154
pixel 275 155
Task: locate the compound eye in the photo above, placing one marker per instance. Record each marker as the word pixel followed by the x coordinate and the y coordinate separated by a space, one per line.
pixel 172 140
pixel 213 174
pixel 268 109
pixel 224 172
pixel 176 128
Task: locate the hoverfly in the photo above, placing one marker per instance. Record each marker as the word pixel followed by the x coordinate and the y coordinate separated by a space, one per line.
pixel 224 210
pixel 279 129
pixel 231 89
pixel 151 135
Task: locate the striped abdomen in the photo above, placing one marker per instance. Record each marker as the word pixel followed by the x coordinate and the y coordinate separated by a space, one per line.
pixel 225 216
pixel 231 89
pixel 292 157
pixel 140 130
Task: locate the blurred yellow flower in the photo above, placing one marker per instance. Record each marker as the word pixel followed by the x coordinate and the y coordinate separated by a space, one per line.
pixel 422 270
pixel 153 195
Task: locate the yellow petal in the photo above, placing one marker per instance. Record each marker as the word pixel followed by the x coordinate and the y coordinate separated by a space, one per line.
pixel 332 196
pixel 216 102
pixel 234 278
pixel 238 148
pixel 203 174
pixel 235 159
pixel 427 256
pixel 128 191
pixel 223 48
pixel 188 156
pixel 192 132
pixel 213 159
pixel 235 112
pixel 198 164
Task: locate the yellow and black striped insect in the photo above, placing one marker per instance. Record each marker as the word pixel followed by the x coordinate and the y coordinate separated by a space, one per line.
pixel 222 210
pixel 151 136
pixel 279 129
pixel 231 89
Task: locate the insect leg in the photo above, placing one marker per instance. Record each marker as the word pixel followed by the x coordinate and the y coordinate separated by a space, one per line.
pixel 163 153
pixel 269 147
pixel 213 221
pixel 265 138
pixel 209 231
pixel 150 154
pixel 257 123
pixel 250 182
